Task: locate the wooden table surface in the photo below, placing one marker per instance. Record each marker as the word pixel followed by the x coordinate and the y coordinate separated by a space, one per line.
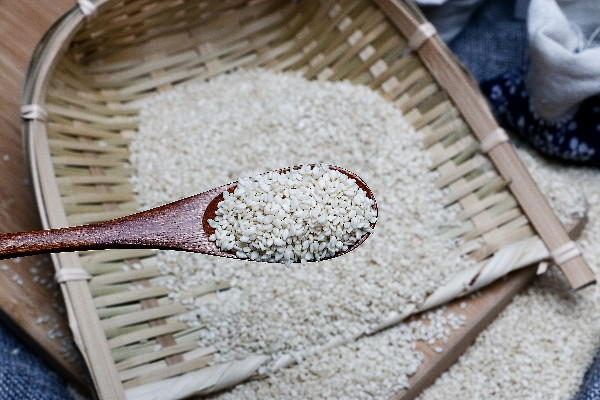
pixel 30 301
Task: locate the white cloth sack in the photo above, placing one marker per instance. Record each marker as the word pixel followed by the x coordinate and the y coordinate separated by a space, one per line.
pixel 564 55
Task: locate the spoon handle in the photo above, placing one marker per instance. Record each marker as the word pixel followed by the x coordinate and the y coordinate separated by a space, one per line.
pixel 86 237
pixel 175 226
pixel 149 228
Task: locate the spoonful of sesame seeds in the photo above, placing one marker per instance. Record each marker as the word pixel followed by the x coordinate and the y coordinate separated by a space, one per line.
pixel 298 214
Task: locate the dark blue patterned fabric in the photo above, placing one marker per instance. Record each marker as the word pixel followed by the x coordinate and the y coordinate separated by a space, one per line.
pixel 574 138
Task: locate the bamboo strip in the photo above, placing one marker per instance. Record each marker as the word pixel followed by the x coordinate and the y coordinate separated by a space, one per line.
pixel 240 34
pixel 431 102
pixel 68 181
pixel 149 346
pixel 267 51
pixel 513 256
pixel 99 198
pixel 106 162
pixel 132 92
pixel 397 86
pixel 129 296
pixel 351 31
pixel 203 289
pixel 505 206
pixel 65 153
pixel 81 100
pixel 119 17
pixel 108 123
pixel 472 204
pixel 461 188
pixel 128 30
pixel 457 231
pixel 125 330
pixel 70 78
pixel 203 381
pixel 399 67
pixel 63 170
pixel 412 116
pixel 322 23
pixel 440 114
pixel 78 129
pixel 112 311
pixel 163 371
pixel 104 146
pixel 440 154
pixel 143 369
pixel 417 94
pixel 97 257
pixel 468 153
pixel 163 352
pixel 157 281
pixel 492 186
pixel 451 172
pixel 144 326
pixel 103 268
pixel 450 115
pixel 134 309
pixel 145 334
pixel 78 190
pixel 513 231
pixel 484 222
pixel 370 64
pixel 366 39
pixel 144 315
pixel 125 276
pixel 141 69
pixel 105 290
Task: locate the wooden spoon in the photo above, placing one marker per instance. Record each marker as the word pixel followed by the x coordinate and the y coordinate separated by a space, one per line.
pixel 181 225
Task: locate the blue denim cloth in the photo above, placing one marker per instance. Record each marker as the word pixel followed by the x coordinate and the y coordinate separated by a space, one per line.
pixel 23 375
pixel 493 41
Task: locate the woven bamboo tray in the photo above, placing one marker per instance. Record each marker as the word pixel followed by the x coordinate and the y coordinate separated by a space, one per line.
pixel 78 120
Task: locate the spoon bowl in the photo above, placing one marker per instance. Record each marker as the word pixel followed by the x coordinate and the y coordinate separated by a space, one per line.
pixel 180 225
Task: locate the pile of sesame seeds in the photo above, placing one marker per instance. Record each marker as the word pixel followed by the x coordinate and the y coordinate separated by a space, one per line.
pixel 203 134
pixel 303 214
